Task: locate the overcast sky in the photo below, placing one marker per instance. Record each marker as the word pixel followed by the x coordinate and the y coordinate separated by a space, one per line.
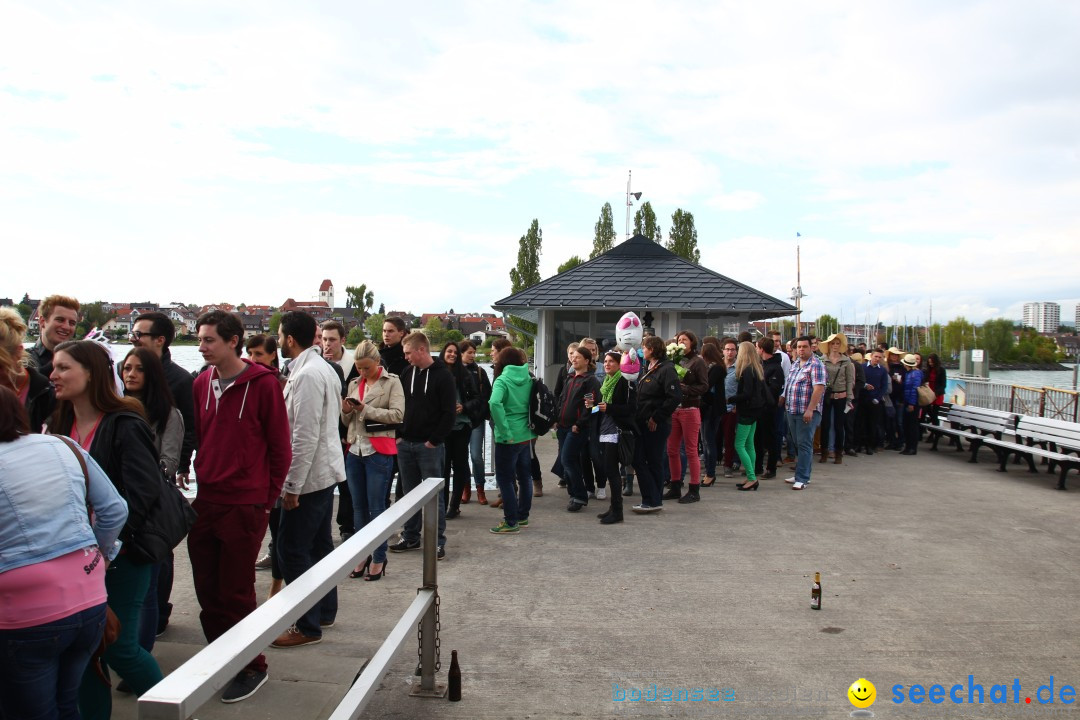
pixel 241 152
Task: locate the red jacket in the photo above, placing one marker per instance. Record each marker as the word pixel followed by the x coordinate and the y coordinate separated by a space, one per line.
pixel 244 442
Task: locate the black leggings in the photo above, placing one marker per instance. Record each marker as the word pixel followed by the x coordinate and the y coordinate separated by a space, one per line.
pixel 457 462
pixel 833 423
pixel 610 455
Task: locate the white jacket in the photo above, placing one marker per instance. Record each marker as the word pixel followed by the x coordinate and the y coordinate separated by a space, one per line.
pixel 313 402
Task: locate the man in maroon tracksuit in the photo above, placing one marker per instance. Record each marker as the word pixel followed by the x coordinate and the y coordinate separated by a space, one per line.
pixel 244 455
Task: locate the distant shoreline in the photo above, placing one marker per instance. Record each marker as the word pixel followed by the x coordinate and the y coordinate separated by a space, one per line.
pixel 1048 367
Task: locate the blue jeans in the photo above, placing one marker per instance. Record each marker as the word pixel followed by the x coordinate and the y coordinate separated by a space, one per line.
pixel 571 455
pixel 416 463
pixel 41 666
pixel 148 621
pixel 476 454
pixel 709 429
pixel 803 433
pixel 513 462
pixel 304 538
pixel 369 479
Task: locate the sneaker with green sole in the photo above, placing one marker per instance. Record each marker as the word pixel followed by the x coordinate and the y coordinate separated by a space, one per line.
pixel 503 529
pixel 523 523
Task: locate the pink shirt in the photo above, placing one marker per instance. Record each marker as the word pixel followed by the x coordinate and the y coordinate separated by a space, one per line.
pixel 51 590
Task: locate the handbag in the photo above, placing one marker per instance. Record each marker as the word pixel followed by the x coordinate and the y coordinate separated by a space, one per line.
pixel 926 395
pixel 167 523
pixel 112 623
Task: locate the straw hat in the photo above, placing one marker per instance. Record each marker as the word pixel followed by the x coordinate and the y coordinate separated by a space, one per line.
pixel 910 361
pixel 843 342
pixel 894 351
pixel 856 357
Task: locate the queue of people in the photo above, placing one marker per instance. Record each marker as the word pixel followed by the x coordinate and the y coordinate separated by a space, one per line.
pixel 270 445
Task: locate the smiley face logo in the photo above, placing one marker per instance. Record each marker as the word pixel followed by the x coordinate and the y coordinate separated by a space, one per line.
pixel 862 693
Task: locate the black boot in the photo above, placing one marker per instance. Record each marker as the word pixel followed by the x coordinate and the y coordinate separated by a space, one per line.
pixel 691 495
pixel 674 491
pixel 628 486
pixel 611 518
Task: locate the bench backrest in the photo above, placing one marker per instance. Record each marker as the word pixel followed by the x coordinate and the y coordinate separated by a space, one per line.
pixel 983 419
pixel 1063 434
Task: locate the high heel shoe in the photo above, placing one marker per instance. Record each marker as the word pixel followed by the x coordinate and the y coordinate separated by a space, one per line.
pixel 709 481
pixel 359 572
pixel 372 577
pixel 752 487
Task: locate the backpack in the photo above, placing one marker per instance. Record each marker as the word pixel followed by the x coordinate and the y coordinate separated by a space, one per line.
pixel 541 408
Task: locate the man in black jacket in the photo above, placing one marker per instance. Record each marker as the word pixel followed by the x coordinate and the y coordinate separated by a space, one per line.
pixel 392 357
pixel 765 440
pixel 430 407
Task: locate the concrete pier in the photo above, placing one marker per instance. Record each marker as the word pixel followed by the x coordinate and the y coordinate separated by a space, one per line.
pixel 933 569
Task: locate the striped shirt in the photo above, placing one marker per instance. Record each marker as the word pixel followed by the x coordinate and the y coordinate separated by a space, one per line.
pixel 801 379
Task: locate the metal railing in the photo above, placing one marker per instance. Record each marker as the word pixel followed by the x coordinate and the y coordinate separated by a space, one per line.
pixel 185 689
pixel 1047 402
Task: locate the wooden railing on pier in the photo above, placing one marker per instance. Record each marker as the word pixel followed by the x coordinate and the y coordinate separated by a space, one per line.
pixel 1045 402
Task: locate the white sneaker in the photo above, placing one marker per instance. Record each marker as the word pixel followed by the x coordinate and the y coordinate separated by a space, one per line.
pixel 601 494
pixel 798 486
pixel 789 480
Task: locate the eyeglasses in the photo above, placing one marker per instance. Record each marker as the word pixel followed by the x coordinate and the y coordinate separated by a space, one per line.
pixel 138 335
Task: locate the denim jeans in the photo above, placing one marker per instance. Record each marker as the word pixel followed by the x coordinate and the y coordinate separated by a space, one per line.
pixel 126 582
pixel 710 427
pixel 368 478
pixel 416 463
pixel 573 446
pixel 513 462
pixel 833 425
pixel 41 666
pixel 803 434
pixel 476 455
pixel 304 538
pixel 148 621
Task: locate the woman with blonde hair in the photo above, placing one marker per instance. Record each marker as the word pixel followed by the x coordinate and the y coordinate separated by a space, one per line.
pixel 372 409
pixel 33 389
pixel 751 397
pixel 839 392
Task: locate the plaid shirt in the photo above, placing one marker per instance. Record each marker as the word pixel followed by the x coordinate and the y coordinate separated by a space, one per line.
pixel 801 380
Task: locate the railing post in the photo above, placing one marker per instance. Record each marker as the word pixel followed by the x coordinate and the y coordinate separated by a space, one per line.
pixel 1042 403
pixel 429 630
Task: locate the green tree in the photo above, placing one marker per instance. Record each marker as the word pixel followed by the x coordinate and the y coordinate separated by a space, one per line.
pixel 360 299
pixel 825 326
pixel 373 326
pixel 275 321
pixel 645 223
pixel 604 233
pixel 454 336
pixel 355 336
pixel 436 333
pixel 527 271
pixel 996 337
pixel 959 335
pixel 93 316
pixel 573 262
pixel 682 238
pixel 25 310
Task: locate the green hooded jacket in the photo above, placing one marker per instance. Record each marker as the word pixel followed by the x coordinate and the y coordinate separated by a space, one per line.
pixel 510 405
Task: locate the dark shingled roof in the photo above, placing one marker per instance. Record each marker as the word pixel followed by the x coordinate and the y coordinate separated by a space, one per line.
pixel 640 274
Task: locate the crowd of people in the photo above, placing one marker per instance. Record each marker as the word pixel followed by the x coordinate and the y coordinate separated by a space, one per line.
pixel 270 442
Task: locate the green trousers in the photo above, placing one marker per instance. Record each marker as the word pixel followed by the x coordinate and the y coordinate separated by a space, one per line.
pixel 744 446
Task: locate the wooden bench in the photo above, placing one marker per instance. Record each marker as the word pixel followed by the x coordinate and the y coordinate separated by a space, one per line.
pixel 1055 441
pixel 979 426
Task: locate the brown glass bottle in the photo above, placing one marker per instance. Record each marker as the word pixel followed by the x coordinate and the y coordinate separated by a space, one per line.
pixel 815 592
pixel 453 679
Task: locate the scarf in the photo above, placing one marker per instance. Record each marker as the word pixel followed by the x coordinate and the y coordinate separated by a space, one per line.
pixel 608 388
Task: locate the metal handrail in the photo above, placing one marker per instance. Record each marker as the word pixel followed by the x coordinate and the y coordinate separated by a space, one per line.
pixel 183 691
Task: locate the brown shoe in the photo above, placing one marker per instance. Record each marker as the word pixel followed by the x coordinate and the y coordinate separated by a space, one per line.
pixel 294 638
pixel 839 459
pixel 538 488
pixel 497 502
pixel 824 457
pixel 481 497
pixel 466 495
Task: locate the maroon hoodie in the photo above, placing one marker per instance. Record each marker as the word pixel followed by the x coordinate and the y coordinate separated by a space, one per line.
pixel 245 446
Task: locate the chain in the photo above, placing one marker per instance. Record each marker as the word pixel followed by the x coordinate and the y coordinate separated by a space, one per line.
pixel 420 637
